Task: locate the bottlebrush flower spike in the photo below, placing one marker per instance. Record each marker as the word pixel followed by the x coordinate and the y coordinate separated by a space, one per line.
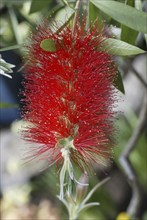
pixel 69 96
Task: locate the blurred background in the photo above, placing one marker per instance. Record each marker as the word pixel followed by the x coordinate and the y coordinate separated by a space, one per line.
pixel 27 192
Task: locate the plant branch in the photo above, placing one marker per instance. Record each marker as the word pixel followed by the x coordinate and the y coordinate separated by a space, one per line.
pixel 76 16
pixel 127 166
pixel 137 74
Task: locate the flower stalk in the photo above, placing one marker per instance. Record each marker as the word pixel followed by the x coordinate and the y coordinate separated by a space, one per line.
pixel 75 206
pixel 67 177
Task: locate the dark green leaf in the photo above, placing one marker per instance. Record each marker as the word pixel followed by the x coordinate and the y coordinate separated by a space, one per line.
pixel 13 2
pixel 128 34
pixel 7 105
pixel 130 2
pixel 48 45
pixel 121 48
pixel 38 5
pixel 124 14
pixel 118 83
pixel 94 14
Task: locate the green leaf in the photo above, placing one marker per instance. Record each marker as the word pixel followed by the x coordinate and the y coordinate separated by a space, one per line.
pixel 66 3
pixel 118 83
pixel 5 68
pixel 7 105
pixel 145 36
pixel 121 48
pixel 65 14
pixel 138 4
pixel 128 34
pixel 13 2
pixel 94 14
pixel 14 47
pixel 15 24
pixel 48 45
pixel 93 190
pixel 38 5
pixel 124 14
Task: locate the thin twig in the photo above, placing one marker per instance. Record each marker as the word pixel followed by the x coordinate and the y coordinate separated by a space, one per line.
pixel 134 205
pixel 137 74
pixel 76 16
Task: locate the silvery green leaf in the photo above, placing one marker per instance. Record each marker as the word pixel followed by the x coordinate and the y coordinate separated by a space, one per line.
pixel 93 190
pixel 62 179
pixel 89 205
pixel 121 48
pixel 5 68
pixel 123 14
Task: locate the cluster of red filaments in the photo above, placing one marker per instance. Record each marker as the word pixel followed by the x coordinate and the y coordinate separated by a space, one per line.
pixel 69 96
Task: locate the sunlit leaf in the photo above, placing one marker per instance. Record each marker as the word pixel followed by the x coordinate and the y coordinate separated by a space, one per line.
pixel 66 3
pixel 65 14
pixel 138 4
pixel 121 48
pixel 48 45
pixel 124 14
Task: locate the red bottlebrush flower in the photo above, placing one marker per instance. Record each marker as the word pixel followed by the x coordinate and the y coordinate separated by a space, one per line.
pixel 69 96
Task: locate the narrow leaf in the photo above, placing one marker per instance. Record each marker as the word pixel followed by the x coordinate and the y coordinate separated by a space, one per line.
pixel 128 34
pixel 89 205
pixel 65 14
pixel 124 14
pixel 14 47
pixel 48 45
pixel 138 4
pixel 121 48
pixel 118 83
pixel 93 190
pixel 15 24
pixel 7 105
pixel 38 5
pixel 95 14
pixel 64 25
pixel 66 3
